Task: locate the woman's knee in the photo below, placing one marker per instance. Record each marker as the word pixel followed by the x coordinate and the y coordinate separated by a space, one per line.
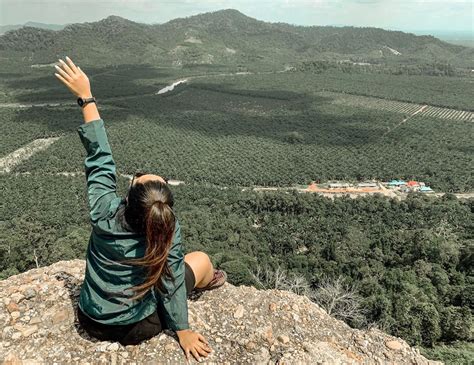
pixel 200 264
pixel 198 258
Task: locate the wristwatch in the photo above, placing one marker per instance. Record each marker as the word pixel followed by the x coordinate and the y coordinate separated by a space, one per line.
pixel 85 101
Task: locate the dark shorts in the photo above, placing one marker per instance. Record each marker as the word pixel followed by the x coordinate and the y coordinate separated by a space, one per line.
pixel 133 333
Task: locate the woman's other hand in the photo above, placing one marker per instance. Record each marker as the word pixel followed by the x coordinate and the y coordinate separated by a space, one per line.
pixel 193 343
pixel 74 78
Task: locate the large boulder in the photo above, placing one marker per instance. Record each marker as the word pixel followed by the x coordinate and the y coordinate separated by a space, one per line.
pixel 38 323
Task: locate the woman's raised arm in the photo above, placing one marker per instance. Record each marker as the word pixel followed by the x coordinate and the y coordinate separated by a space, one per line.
pixel 99 163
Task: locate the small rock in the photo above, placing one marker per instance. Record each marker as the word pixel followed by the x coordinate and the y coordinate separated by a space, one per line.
pixel 60 316
pixel 19 326
pixel 16 335
pixel 283 339
pixel 35 320
pixel 169 347
pixel 394 345
pixel 308 347
pixel 113 346
pixel 17 297
pixel 239 313
pixel 124 354
pixel 12 307
pixel 268 335
pixel 29 330
pixel 263 356
pixel 102 347
pixel 29 293
pixel 7 331
pixel 12 359
pixel 15 314
pixel 218 339
pixel 113 358
pixel 272 307
pixel 362 343
pixel 250 346
pixel 161 337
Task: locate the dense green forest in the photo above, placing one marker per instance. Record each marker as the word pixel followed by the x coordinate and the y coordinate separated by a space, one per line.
pixel 355 66
pixel 411 260
pixel 225 131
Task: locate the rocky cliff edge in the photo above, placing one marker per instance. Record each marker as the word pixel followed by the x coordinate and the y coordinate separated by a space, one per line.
pixel 38 323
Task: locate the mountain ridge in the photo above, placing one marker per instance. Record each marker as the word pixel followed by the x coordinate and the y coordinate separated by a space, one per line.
pixel 206 38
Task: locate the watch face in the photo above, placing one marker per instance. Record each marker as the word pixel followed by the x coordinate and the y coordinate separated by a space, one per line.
pixel 80 101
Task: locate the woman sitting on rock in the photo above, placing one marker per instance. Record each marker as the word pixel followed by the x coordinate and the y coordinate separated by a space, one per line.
pixel 133 238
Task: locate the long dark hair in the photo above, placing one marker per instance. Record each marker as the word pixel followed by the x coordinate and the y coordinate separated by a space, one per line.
pixel 148 211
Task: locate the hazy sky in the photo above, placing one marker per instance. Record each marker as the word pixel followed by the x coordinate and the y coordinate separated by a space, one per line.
pixel 446 15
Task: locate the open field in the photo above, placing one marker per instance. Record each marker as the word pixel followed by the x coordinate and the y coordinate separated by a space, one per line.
pixel 403 108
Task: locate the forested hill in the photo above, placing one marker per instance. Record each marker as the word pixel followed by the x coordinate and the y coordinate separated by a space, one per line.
pixel 224 37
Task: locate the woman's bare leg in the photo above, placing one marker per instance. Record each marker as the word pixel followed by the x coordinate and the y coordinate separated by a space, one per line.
pixel 201 266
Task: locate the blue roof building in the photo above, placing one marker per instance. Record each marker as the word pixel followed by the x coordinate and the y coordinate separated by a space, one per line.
pixel 426 189
pixel 396 183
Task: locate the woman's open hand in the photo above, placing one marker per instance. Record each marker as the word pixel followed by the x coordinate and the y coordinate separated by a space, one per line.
pixel 74 78
pixel 194 343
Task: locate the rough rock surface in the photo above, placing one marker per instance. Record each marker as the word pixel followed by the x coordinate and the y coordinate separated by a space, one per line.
pixel 39 325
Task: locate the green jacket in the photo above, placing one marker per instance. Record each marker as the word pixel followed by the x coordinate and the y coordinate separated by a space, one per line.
pixel 105 280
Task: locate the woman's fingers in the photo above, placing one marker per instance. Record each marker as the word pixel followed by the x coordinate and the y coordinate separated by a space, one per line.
pixel 204 346
pixel 63 73
pixel 74 78
pixel 186 352
pixel 62 79
pixel 203 339
pixel 72 65
pixel 67 68
pixel 195 354
pixel 203 349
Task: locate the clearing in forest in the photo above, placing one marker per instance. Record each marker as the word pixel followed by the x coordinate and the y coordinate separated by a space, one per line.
pixel 398 106
pixel 8 162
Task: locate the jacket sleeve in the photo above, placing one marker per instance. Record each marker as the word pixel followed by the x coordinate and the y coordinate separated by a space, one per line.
pixel 99 168
pixel 173 303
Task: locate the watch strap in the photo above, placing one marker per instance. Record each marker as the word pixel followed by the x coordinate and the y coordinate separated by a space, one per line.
pixel 85 101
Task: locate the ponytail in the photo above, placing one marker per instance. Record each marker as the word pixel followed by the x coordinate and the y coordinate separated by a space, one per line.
pixel 158 225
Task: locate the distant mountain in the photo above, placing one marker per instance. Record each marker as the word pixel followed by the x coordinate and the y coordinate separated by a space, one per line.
pixel 6 28
pixel 224 37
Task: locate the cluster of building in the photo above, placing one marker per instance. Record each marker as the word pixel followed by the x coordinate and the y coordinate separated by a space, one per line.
pixel 409 186
pixel 372 186
pixel 338 185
